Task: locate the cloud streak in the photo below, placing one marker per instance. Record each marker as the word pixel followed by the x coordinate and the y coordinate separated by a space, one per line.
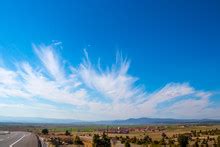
pixel 113 83
pixel 50 61
pixel 109 93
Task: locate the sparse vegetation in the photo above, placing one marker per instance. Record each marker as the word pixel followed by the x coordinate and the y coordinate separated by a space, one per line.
pixel 67 133
pixel 127 144
pixel 183 140
pixel 78 141
pixel 218 141
pixel 103 141
pixel 45 131
pixel 198 135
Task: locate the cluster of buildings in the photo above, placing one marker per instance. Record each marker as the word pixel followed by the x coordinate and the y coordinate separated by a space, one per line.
pixel 118 130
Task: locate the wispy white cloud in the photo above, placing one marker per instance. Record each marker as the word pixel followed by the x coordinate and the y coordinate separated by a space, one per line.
pixel 50 61
pixel 169 92
pixel 114 83
pixel 10 85
pixel 128 99
pixel 96 92
pixel 7 77
pixel 40 86
pixel 197 106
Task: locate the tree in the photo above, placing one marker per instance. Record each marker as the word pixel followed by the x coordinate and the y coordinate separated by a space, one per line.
pixel 78 141
pixel 196 144
pixel 171 141
pixel 67 133
pixel 147 139
pixel 194 133
pixel 205 142
pixel 163 135
pixel 45 131
pixel 214 144
pixel 156 142
pixel 106 141
pixel 218 141
pixel 96 140
pixel 162 142
pixel 101 142
pixel 127 144
pixel 183 140
pixel 134 139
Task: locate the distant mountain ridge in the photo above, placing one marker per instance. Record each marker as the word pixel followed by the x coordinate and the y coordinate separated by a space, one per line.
pixel 144 120
pixel 130 121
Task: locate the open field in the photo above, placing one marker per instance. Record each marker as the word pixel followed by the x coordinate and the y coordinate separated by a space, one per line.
pixel 203 134
pixel 154 132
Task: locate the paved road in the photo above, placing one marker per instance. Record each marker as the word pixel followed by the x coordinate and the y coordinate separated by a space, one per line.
pixel 18 139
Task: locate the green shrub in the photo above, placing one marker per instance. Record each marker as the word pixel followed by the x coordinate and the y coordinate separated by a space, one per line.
pixel 45 131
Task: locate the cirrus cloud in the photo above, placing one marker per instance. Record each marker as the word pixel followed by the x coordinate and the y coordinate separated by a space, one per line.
pixel 88 89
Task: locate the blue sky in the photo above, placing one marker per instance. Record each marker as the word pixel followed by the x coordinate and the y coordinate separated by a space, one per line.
pixel 95 60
